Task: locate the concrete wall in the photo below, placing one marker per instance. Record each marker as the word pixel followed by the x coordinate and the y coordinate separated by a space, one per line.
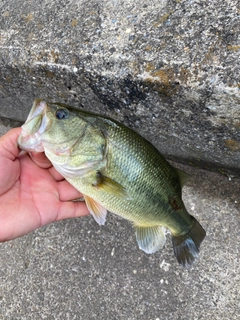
pixel 169 69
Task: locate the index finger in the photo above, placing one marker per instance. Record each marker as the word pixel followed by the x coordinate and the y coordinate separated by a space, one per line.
pixel 41 160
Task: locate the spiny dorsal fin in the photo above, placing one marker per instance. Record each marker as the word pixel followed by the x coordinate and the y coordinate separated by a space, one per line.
pixel 150 239
pixel 183 177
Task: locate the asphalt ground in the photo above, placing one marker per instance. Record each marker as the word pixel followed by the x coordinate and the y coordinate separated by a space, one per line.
pixel 75 269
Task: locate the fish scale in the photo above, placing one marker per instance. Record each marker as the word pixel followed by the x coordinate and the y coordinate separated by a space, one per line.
pixel 143 187
pixel 116 170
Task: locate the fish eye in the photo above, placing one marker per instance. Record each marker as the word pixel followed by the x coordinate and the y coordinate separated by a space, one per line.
pixel 62 114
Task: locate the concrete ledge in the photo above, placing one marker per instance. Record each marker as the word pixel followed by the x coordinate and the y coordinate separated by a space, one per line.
pixel 169 69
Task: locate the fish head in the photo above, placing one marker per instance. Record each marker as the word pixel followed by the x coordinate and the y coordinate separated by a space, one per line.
pixel 49 126
pixel 36 123
pixel 72 143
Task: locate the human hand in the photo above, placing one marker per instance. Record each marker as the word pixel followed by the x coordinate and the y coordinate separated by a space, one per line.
pixel 32 192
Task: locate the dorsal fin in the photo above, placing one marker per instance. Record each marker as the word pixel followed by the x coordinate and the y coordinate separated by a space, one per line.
pixel 183 177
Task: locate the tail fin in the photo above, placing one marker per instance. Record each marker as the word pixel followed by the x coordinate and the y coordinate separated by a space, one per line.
pixel 186 247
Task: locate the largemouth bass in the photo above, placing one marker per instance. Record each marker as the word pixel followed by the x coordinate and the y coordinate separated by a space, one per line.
pixel 116 170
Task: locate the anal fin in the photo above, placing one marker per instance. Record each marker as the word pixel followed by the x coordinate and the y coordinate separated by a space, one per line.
pixel 98 212
pixel 150 239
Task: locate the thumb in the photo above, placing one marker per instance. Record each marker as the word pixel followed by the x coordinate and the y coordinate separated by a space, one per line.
pixel 9 144
pixel 9 165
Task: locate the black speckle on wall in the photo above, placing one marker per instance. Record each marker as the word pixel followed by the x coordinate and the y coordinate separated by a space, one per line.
pixel 117 93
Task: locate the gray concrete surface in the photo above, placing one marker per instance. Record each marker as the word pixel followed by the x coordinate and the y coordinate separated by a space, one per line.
pixel 75 269
pixel 169 68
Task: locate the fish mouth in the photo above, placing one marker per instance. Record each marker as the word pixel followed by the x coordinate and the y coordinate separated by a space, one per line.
pixel 36 124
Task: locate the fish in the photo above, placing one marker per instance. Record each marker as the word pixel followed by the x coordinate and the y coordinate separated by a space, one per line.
pixel 116 170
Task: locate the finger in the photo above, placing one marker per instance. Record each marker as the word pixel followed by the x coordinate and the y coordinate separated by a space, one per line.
pixel 9 165
pixel 72 210
pixel 9 144
pixel 67 192
pixel 56 175
pixel 40 159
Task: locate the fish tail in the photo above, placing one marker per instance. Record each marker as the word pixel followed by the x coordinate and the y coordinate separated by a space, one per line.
pixel 186 247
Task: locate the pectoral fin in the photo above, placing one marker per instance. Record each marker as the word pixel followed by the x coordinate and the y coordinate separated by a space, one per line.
pixel 150 239
pixel 110 186
pixel 98 212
